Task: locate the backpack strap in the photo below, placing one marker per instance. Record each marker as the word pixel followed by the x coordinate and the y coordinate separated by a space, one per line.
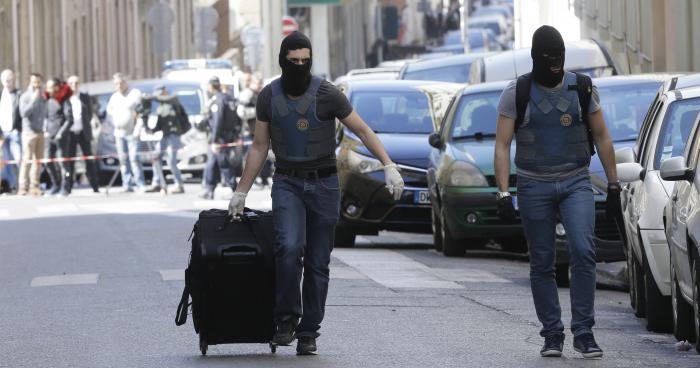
pixel 522 97
pixel 584 88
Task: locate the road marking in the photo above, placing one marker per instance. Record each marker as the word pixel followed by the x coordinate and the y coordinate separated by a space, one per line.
pixel 172 275
pixel 74 279
pixel 56 208
pixel 393 269
pixel 462 275
pixel 4 214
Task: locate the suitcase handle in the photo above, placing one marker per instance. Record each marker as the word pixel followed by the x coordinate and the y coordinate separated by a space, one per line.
pixel 239 253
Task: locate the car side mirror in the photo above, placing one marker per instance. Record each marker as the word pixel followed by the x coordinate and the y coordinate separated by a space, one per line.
pixel 630 172
pixel 674 169
pixel 435 140
pixel 625 155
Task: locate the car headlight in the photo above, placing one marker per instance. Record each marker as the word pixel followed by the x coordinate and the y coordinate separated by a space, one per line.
pixel 463 174
pixel 363 164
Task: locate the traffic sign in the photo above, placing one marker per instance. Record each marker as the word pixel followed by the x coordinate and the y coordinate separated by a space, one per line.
pixel 289 25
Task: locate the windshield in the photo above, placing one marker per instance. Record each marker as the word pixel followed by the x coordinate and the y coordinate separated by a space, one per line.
pixel 189 99
pixel 452 38
pixel 624 108
pixel 394 112
pixel 493 26
pixel 476 113
pixel 451 73
pixel 476 39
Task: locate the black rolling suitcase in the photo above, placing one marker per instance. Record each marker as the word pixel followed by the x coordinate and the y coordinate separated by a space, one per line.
pixel 231 279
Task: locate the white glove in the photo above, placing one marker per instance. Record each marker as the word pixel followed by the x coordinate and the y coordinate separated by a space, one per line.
pixel 237 203
pixel 394 182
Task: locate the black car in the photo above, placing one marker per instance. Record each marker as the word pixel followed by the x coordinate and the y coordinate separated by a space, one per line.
pixel 403 114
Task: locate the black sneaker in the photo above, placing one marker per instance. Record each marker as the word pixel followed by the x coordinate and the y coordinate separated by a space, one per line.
pixel 553 345
pixel 284 334
pixel 586 345
pixel 306 345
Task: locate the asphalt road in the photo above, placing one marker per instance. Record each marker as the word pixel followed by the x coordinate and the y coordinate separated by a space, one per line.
pixel 94 281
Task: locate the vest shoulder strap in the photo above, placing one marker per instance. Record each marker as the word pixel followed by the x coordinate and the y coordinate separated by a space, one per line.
pixel 584 89
pixel 278 100
pixel 522 97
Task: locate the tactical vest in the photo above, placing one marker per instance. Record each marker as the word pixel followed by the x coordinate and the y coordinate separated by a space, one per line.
pixel 555 139
pixel 297 134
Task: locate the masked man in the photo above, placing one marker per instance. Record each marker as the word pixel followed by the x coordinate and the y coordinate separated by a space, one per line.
pixel 296 114
pixel 557 126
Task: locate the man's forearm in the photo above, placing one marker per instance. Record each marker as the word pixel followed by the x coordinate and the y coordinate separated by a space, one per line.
pixel 502 167
pixel 607 157
pixel 253 164
pixel 375 146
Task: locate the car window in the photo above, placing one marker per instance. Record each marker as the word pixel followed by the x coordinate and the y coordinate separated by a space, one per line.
pixel 476 113
pixel 476 39
pixel 624 108
pixel 189 99
pixel 450 73
pixel 601 71
pixel 675 130
pixel 645 137
pixel 394 112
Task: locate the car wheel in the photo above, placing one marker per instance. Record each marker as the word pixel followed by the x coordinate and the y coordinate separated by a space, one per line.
pixel 696 305
pixel 450 246
pixel 682 311
pixel 658 306
pixel 344 237
pixel 437 230
pixel 561 274
pixel 638 284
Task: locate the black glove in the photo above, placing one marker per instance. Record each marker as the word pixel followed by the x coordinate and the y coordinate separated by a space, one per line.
pixel 613 206
pixel 505 209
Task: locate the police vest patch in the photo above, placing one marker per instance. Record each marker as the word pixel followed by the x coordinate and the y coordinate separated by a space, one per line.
pixel 302 124
pixel 565 120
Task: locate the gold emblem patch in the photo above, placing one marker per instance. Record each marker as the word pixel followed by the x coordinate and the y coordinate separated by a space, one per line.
pixel 565 120
pixel 302 124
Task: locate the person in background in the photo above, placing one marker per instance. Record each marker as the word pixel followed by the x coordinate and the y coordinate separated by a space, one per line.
pixel 54 131
pixel 225 127
pixel 121 110
pixel 173 122
pixel 246 111
pixel 10 130
pixel 32 107
pixel 78 113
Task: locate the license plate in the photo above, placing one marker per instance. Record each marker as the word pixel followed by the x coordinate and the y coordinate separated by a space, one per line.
pixel 515 202
pixel 421 197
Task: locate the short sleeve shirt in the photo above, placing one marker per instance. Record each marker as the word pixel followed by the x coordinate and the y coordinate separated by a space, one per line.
pixel 331 104
pixel 506 107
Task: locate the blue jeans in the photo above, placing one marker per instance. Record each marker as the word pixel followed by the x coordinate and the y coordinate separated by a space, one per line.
pixel 11 150
pixel 572 199
pixel 129 163
pixel 168 146
pixel 217 166
pixel 305 215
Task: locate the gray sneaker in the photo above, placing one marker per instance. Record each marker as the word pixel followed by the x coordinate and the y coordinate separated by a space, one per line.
pixel 285 333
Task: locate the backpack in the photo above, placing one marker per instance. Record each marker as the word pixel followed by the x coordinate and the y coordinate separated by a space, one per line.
pixel 583 87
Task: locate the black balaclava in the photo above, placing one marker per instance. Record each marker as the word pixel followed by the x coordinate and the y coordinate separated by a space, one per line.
pixel 295 78
pixel 547 41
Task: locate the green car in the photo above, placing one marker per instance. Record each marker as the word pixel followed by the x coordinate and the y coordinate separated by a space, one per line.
pixel 461 177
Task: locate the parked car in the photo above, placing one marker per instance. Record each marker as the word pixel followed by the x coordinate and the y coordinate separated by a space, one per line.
pixel 402 113
pixel 192 155
pixel 454 69
pixel 585 56
pixel 496 23
pixel 682 224
pixel 643 198
pixel 369 74
pixel 480 40
pixel 461 179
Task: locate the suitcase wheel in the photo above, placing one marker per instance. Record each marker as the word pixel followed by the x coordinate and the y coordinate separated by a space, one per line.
pixel 203 346
pixel 273 348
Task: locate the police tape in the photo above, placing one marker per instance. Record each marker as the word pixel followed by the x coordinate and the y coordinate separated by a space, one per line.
pixel 100 157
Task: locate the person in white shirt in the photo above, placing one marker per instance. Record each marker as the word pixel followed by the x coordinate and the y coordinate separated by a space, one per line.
pixel 10 129
pixel 121 110
pixel 78 112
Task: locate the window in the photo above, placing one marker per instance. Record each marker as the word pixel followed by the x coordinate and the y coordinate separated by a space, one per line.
pixel 624 108
pixel 394 112
pixel 451 73
pixel 476 113
pixel 675 130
